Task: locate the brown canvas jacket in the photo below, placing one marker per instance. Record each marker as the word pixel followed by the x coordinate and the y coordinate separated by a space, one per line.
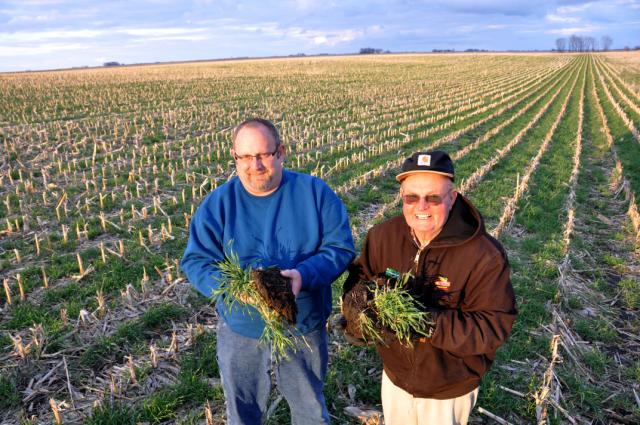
pixel 463 277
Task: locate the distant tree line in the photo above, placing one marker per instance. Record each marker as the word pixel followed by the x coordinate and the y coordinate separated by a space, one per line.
pixel 577 43
pixel 372 51
pixel 453 50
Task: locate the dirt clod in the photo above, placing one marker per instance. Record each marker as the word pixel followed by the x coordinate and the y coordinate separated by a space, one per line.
pixel 354 303
pixel 275 289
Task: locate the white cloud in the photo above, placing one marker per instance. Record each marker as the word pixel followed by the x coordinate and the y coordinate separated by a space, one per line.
pixel 574 30
pixel 551 17
pixel 171 38
pixel 160 32
pixel 327 38
pixel 36 2
pixel 318 37
pixel 34 19
pixel 26 43
pixel 40 36
pixel 573 9
pixel 320 40
pixel 31 39
pixel 465 28
pixel 42 49
pixel 305 4
pixel 309 5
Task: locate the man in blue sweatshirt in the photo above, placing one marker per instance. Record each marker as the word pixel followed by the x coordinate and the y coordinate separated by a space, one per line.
pixel 271 217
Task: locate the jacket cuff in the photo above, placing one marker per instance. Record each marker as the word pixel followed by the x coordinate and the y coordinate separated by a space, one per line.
pixel 305 275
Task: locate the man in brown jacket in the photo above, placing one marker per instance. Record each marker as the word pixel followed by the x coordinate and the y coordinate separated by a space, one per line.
pixel 461 276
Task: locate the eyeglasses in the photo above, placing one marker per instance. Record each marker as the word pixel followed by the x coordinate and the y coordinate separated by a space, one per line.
pixel 261 156
pixel 431 200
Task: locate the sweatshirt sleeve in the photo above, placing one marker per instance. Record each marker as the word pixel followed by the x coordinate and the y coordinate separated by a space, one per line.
pixel 335 251
pixel 204 250
pixel 484 320
pixel 360 269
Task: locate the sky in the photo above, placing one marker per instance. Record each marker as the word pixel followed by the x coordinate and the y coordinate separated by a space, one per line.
pixel 50 34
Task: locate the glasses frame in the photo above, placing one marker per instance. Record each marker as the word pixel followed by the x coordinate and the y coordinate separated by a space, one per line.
pixel 245 159
pixel 435 200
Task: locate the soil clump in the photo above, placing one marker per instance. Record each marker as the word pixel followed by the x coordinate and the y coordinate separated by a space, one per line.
pixel 355 302
pixel 276 291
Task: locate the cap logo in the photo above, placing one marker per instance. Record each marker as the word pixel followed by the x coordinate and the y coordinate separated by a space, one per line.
pixel 424 160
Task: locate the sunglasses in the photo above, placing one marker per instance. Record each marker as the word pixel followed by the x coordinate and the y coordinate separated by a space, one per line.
pixel 431 200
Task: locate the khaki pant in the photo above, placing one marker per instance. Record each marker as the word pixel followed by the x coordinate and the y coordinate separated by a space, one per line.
pixel 401 408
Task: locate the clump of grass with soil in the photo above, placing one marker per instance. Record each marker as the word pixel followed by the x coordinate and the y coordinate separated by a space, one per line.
pixel 380 311
pixel 269 293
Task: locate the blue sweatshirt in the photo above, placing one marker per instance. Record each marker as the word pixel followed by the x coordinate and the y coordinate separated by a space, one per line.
pixel 302 225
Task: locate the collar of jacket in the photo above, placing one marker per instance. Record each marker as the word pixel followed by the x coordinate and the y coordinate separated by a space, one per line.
pixel 463 224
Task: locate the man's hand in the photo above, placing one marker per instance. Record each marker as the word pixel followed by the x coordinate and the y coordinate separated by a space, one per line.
pixel 296 280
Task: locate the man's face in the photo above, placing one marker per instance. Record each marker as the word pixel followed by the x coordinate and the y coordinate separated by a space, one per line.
pixel 427 199
pixel 259 176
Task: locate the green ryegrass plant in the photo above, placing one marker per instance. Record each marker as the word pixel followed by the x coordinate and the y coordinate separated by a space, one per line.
pixel 368 328
pixel 584 396
pixel 189 390
pixel 203 361
pixel 156 318
pixel 492 392
pixel 117 414
pixel 162 406
pixel 9 395
pixel 401 313
pixel 626 145
pixel 394 309
pixel 535 253
pixel 596 329
pixel 633 372
pixel 630 289
pixel 596 360
pixel 237 289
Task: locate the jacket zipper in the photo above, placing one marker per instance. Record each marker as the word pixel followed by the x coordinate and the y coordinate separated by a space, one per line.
pixel 416 263
pixel 416 259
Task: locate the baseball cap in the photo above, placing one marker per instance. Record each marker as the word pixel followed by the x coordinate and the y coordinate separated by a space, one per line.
pixel 437 162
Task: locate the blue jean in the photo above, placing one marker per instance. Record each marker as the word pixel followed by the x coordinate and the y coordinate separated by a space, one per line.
pixel 245 371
